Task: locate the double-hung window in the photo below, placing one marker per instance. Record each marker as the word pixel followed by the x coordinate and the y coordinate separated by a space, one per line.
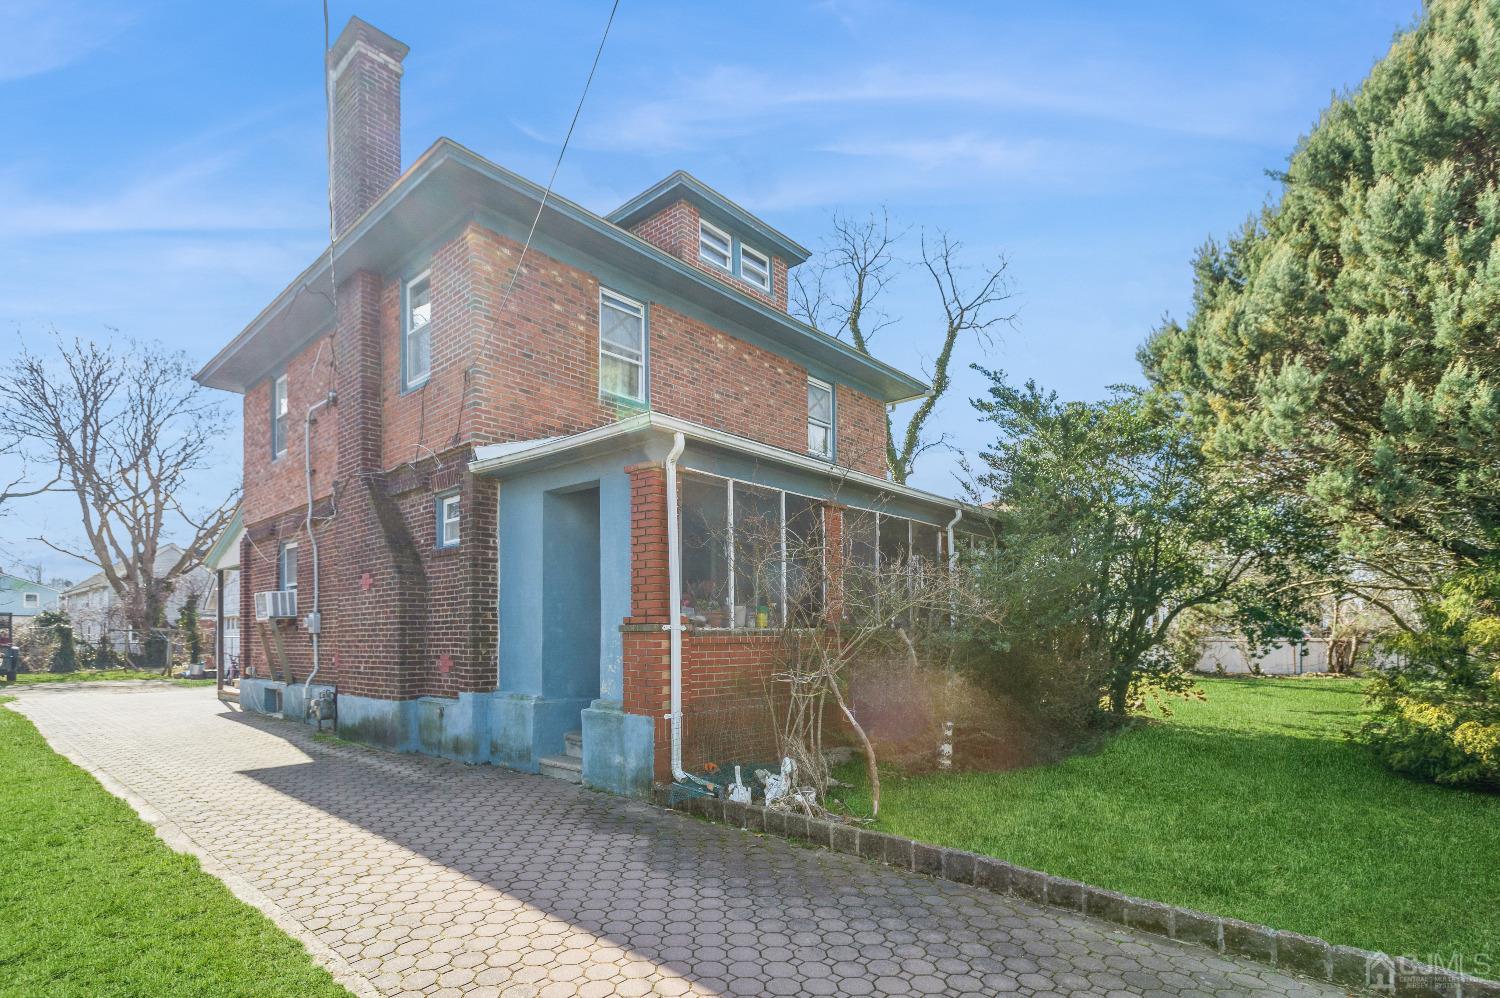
pixel 416 337
pixel 755 268
pixel 715 246
pixel 447 521
pixel 819 418
pixel 286 566
pixel 622 346
pixel 280 415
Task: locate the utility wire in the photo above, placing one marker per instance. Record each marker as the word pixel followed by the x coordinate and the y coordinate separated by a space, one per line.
pixel 542 204
pixel 547 193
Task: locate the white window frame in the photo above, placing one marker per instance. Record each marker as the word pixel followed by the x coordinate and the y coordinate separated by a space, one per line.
pixel 413 379
pixel 829 425
pixel 622 303
pixel 281 579
pixel 729 538
pixel 281 409
pixel 763 262
pixel 31 599
pixel 444 503
pixel 710 257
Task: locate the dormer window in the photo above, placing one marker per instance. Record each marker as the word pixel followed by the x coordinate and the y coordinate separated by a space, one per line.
pixel 755 268
pixel 715 246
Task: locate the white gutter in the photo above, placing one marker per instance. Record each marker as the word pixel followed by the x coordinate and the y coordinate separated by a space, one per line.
pixel 314 620
pixel 958 514
pixel 496 457
pixel 674 605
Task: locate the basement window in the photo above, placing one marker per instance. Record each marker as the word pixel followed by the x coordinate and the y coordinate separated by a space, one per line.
pixel 447 520
pixel 622 346
pixel 416 356
pixel 714 246
pixel 755 268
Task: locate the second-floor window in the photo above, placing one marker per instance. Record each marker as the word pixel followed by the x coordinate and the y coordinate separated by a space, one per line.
pixel 819 418
pixel 280 415
pixel 622 346
pixel 447 520
pixel 755 268
pixel 286 566
pixel 416 337
pixel 715 246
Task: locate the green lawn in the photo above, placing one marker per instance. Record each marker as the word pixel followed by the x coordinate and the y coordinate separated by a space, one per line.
pixel 1252 804
pixel 96 675
pixel 93 903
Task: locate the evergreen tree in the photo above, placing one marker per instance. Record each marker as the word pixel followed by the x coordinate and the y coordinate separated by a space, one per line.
pixel 1345 347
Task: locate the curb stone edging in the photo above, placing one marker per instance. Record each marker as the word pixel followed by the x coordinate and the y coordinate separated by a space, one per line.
pixel 1308 956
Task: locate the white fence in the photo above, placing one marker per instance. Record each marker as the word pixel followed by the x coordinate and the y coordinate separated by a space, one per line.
pixel 1282 658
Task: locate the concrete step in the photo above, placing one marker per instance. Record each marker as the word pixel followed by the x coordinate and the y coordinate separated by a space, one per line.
pixel 573 744
pixel 561 767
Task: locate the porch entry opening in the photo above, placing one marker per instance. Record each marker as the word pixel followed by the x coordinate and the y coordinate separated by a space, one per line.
pixel 571 598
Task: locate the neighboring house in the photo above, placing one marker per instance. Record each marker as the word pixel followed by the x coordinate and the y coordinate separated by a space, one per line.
pixel 25 599
pixel 97 613
pixel 223 602
pixel 488 456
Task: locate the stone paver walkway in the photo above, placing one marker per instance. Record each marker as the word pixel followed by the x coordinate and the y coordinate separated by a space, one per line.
pixel 429 877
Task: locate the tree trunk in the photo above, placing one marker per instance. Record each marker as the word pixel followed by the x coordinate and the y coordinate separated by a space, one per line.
pixel 870 767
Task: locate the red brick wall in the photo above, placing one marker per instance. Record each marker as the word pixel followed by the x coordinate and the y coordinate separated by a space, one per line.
pixel 537 368
pixel 271 487
pixel 861 431
pixel 674 230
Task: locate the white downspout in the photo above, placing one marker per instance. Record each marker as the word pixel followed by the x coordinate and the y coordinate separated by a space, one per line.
pixel 945 748
pixel 674 605
pixel 316 626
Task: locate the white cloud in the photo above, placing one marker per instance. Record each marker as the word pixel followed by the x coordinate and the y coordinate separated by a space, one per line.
pixel 43 35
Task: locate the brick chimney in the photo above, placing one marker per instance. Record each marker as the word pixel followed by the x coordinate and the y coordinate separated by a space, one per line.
pixel 364 68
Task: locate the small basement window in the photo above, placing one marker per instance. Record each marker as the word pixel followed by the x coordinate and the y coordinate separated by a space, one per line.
pixel 755 268
pixel 447 520
pixel 714 245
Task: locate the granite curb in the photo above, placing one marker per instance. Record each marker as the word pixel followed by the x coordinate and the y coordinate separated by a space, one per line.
pixel 1309 956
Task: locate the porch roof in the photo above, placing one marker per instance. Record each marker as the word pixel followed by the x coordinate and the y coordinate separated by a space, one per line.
pixel 517 456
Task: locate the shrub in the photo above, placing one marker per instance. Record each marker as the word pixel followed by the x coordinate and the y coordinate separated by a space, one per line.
pixel 1436 715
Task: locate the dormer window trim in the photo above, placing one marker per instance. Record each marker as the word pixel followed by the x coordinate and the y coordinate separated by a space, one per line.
pixel 709 238
pixel 762 264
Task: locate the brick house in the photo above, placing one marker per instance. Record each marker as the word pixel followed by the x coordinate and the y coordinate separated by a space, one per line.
pixel 483 456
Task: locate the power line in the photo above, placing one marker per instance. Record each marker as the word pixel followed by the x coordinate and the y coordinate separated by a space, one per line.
pixel 547 192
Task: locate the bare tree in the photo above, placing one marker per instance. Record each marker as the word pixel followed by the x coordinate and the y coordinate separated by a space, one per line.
pixel 128 429
pixel 842 292
pixel 836 615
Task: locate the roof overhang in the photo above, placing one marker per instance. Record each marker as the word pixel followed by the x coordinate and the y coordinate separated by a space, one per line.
pixel 682 186
pixel 517 457
pixel 449 184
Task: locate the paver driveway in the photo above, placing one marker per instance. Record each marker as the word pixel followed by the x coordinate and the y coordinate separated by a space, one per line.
pixel 426 876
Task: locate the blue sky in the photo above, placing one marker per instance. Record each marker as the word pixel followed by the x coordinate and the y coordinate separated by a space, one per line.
pixel 164 171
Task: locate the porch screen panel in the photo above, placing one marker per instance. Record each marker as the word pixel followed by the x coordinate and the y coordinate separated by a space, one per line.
pixel 705 550
pixel 859 542
pixel 924 559
pixel 895 552
pixel 804 562
pixel 757 554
